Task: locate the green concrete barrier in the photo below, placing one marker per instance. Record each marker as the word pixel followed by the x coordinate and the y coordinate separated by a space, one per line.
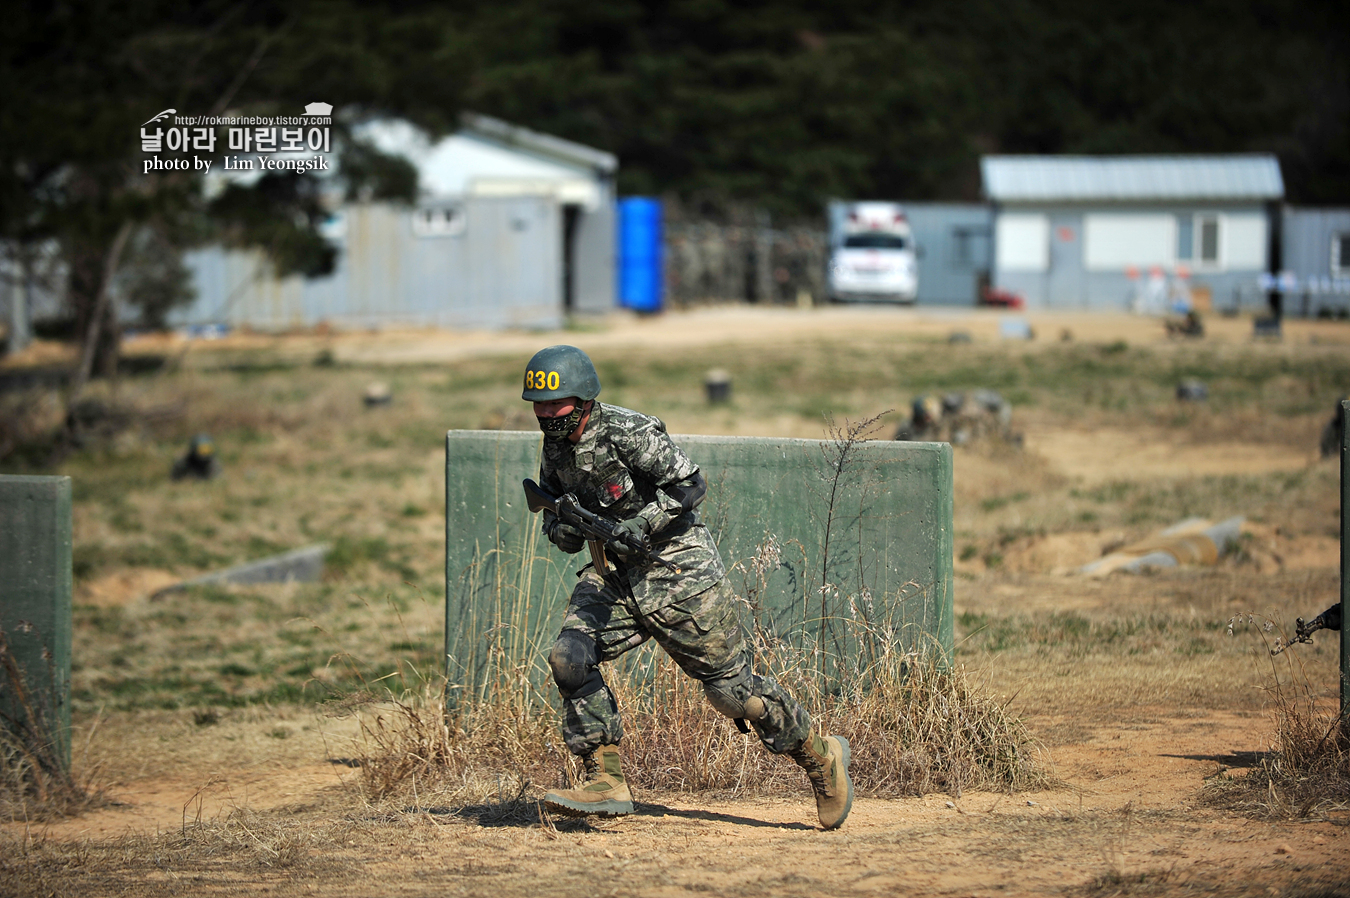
pixel 35 591
pixel 835 559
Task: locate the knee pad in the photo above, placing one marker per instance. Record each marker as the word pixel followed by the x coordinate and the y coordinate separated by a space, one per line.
pixel 735 698
pixel 573 660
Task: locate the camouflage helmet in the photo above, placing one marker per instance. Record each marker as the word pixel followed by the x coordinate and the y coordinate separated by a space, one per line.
pixel 201 446
pixel 926 410
pixel 559 372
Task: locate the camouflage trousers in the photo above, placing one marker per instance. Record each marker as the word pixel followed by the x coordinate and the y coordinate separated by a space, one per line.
pixel 701 633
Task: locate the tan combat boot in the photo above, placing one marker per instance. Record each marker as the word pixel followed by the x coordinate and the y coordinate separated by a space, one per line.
pixel 826 761
pixel 604 792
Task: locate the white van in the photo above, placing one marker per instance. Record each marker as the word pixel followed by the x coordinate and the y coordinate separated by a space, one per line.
pixel 872 256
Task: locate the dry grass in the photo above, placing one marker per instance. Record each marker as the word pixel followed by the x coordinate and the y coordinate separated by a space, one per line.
pixel 240 848
pixel 305 462
pixel 236 679
pixel 916 726
pixel 1307 772
pixel 36 780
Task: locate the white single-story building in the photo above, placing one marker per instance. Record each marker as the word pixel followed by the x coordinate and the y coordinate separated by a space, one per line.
pixel 1116 231
pixel 511 228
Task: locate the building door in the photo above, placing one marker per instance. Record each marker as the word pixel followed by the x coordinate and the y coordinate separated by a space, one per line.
pixel 571 214
pixel 969 260
pixel 1066 283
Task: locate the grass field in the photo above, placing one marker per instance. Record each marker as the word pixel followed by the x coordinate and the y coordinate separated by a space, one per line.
pixel 189 683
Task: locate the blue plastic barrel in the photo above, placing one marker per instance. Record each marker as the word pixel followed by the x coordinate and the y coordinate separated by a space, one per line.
pixel 641 254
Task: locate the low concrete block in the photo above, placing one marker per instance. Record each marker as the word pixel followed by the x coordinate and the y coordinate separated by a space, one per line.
pixel 300 566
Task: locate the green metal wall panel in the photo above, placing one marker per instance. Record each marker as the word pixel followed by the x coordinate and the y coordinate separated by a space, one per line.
pixel 35 593
pixel 1345 561
pixel 843 550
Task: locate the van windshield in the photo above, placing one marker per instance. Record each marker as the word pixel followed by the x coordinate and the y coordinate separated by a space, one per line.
pixel 874 240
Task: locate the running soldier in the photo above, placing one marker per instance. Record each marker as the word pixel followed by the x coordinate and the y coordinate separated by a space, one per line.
pixel 200 462
pixel 622 465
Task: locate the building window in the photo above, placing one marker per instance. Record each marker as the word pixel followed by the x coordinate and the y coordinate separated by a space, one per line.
pixel 1208 226
pixel 1116 241
pixel 1340 254
pixel 1022 242
pixel 1198 239
pixel 969 248
pixel 1185 237
pixel 1244 242
pixel 960 248
pixel 438 221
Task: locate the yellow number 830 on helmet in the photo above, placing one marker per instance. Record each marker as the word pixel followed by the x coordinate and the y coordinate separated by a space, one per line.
pixel 559 372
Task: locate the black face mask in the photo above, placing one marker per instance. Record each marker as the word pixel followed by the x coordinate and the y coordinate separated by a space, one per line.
pixel 561 428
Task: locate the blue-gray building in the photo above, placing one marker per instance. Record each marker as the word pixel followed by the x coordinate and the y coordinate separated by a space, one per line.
pixel 955 247
pixel 1316 258
pixel 1114 232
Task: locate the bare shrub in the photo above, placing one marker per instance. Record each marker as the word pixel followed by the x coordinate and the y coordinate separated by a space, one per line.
pixel 414 748
pixel 922 726
pixel 36 783
pixel 249 839
pixel 916 727
pixel 1307 773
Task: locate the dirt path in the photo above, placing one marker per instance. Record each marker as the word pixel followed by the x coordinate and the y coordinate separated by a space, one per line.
pixel 730 326
pixel 1127 815
pixel 158 805
pixel 1126 818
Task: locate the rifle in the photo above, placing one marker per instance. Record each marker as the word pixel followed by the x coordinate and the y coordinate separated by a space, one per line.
pixel 599 532
pixel 1303 630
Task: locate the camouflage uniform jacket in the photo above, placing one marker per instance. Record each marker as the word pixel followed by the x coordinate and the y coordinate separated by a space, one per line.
pixel 617 469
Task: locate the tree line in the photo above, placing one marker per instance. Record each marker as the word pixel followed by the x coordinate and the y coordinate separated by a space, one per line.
pixel 782 105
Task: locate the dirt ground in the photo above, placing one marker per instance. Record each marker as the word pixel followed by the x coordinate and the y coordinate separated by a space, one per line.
pixel 1126 819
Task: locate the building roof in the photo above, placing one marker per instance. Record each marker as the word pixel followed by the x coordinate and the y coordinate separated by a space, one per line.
pixel 489 156
pixel 1026 179
pixel 547 145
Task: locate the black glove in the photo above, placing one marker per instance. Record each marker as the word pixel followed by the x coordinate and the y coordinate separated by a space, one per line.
pixel 633 530
pixel 566 537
